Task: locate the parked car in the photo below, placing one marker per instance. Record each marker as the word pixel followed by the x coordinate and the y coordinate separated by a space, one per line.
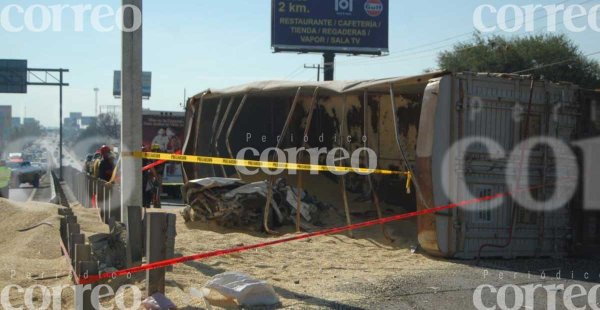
pixel 15 157
pixel 24 172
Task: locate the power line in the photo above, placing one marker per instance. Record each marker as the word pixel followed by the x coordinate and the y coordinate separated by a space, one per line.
pixel 470 32
pixel 402 58
pixel 555 63
pixel 318 67
pixel 293 73
pixel 400 54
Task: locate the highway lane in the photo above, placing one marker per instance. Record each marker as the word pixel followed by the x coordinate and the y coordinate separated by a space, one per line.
pixel 21 194
pixel 26 192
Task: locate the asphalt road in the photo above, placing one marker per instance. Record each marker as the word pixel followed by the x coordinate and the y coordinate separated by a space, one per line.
pixel 21 194
pixel 453 288
pixel 27 192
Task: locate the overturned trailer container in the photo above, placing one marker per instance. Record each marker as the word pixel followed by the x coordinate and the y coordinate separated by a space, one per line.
pixel 413 124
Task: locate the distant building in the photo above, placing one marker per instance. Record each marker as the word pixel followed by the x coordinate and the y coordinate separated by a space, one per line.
pixel 71 122
pixel 15 122
pixel 5 122
pixel 29 121
pixel 87 120
pixel 76 120
pixel 75 115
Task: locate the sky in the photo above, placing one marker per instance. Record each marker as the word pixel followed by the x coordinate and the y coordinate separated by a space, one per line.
pixel 193 45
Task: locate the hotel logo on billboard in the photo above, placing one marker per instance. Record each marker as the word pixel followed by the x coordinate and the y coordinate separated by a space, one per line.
pixel 344 7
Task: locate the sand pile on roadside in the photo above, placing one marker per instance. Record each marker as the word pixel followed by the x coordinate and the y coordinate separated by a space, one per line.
pixel 28 256
pixel 305 274
pixel 89 220
pixel 309 273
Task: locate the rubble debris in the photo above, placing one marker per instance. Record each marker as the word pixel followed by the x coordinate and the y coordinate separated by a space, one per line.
pixel 233 203
pixel 35 226
pixel 158 301
pixel 110 249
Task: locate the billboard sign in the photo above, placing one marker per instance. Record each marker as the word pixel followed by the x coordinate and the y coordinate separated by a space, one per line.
pixel 163 128
pixel 146 84
pixel 13 76
pixel 340 26
pixel 166 129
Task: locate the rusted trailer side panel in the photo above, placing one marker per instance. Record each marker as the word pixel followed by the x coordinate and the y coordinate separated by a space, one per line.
pixel 263 115
pixel 262 118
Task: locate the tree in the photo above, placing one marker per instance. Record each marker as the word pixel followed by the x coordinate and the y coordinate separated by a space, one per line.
pixel 502 55
pixel 30 129
pixel 107 125
pixel 104 131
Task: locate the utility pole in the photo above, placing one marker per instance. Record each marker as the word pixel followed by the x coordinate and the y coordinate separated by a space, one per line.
pixel 328 71
pixel 131 124
pixel 60 132
pixel 96 91
pixel 318 67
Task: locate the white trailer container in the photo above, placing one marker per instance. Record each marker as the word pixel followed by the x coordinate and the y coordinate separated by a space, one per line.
pixel 495 107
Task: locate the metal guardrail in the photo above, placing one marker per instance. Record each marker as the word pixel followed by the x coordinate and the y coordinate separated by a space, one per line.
pixel 95 193
pixel 59 193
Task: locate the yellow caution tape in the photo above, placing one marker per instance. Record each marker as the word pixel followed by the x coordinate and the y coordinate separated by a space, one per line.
pixel 409 177
pixel 265 164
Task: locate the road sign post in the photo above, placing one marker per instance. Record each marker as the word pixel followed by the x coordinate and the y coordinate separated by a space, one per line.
pixel 330 27
pixel 15 77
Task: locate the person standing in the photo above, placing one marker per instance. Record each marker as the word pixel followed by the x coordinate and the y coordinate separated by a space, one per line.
pixel 149 178
pixel 95 164
pixel 107 165
pixel 88 164
pixel 157 179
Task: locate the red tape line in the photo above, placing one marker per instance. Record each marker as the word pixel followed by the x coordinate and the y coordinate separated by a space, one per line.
pixel 157 163
pixel 68 258
pixel 169 262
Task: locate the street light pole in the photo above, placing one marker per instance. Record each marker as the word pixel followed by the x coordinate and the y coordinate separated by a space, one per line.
pixel 96 90
pixel 60 133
